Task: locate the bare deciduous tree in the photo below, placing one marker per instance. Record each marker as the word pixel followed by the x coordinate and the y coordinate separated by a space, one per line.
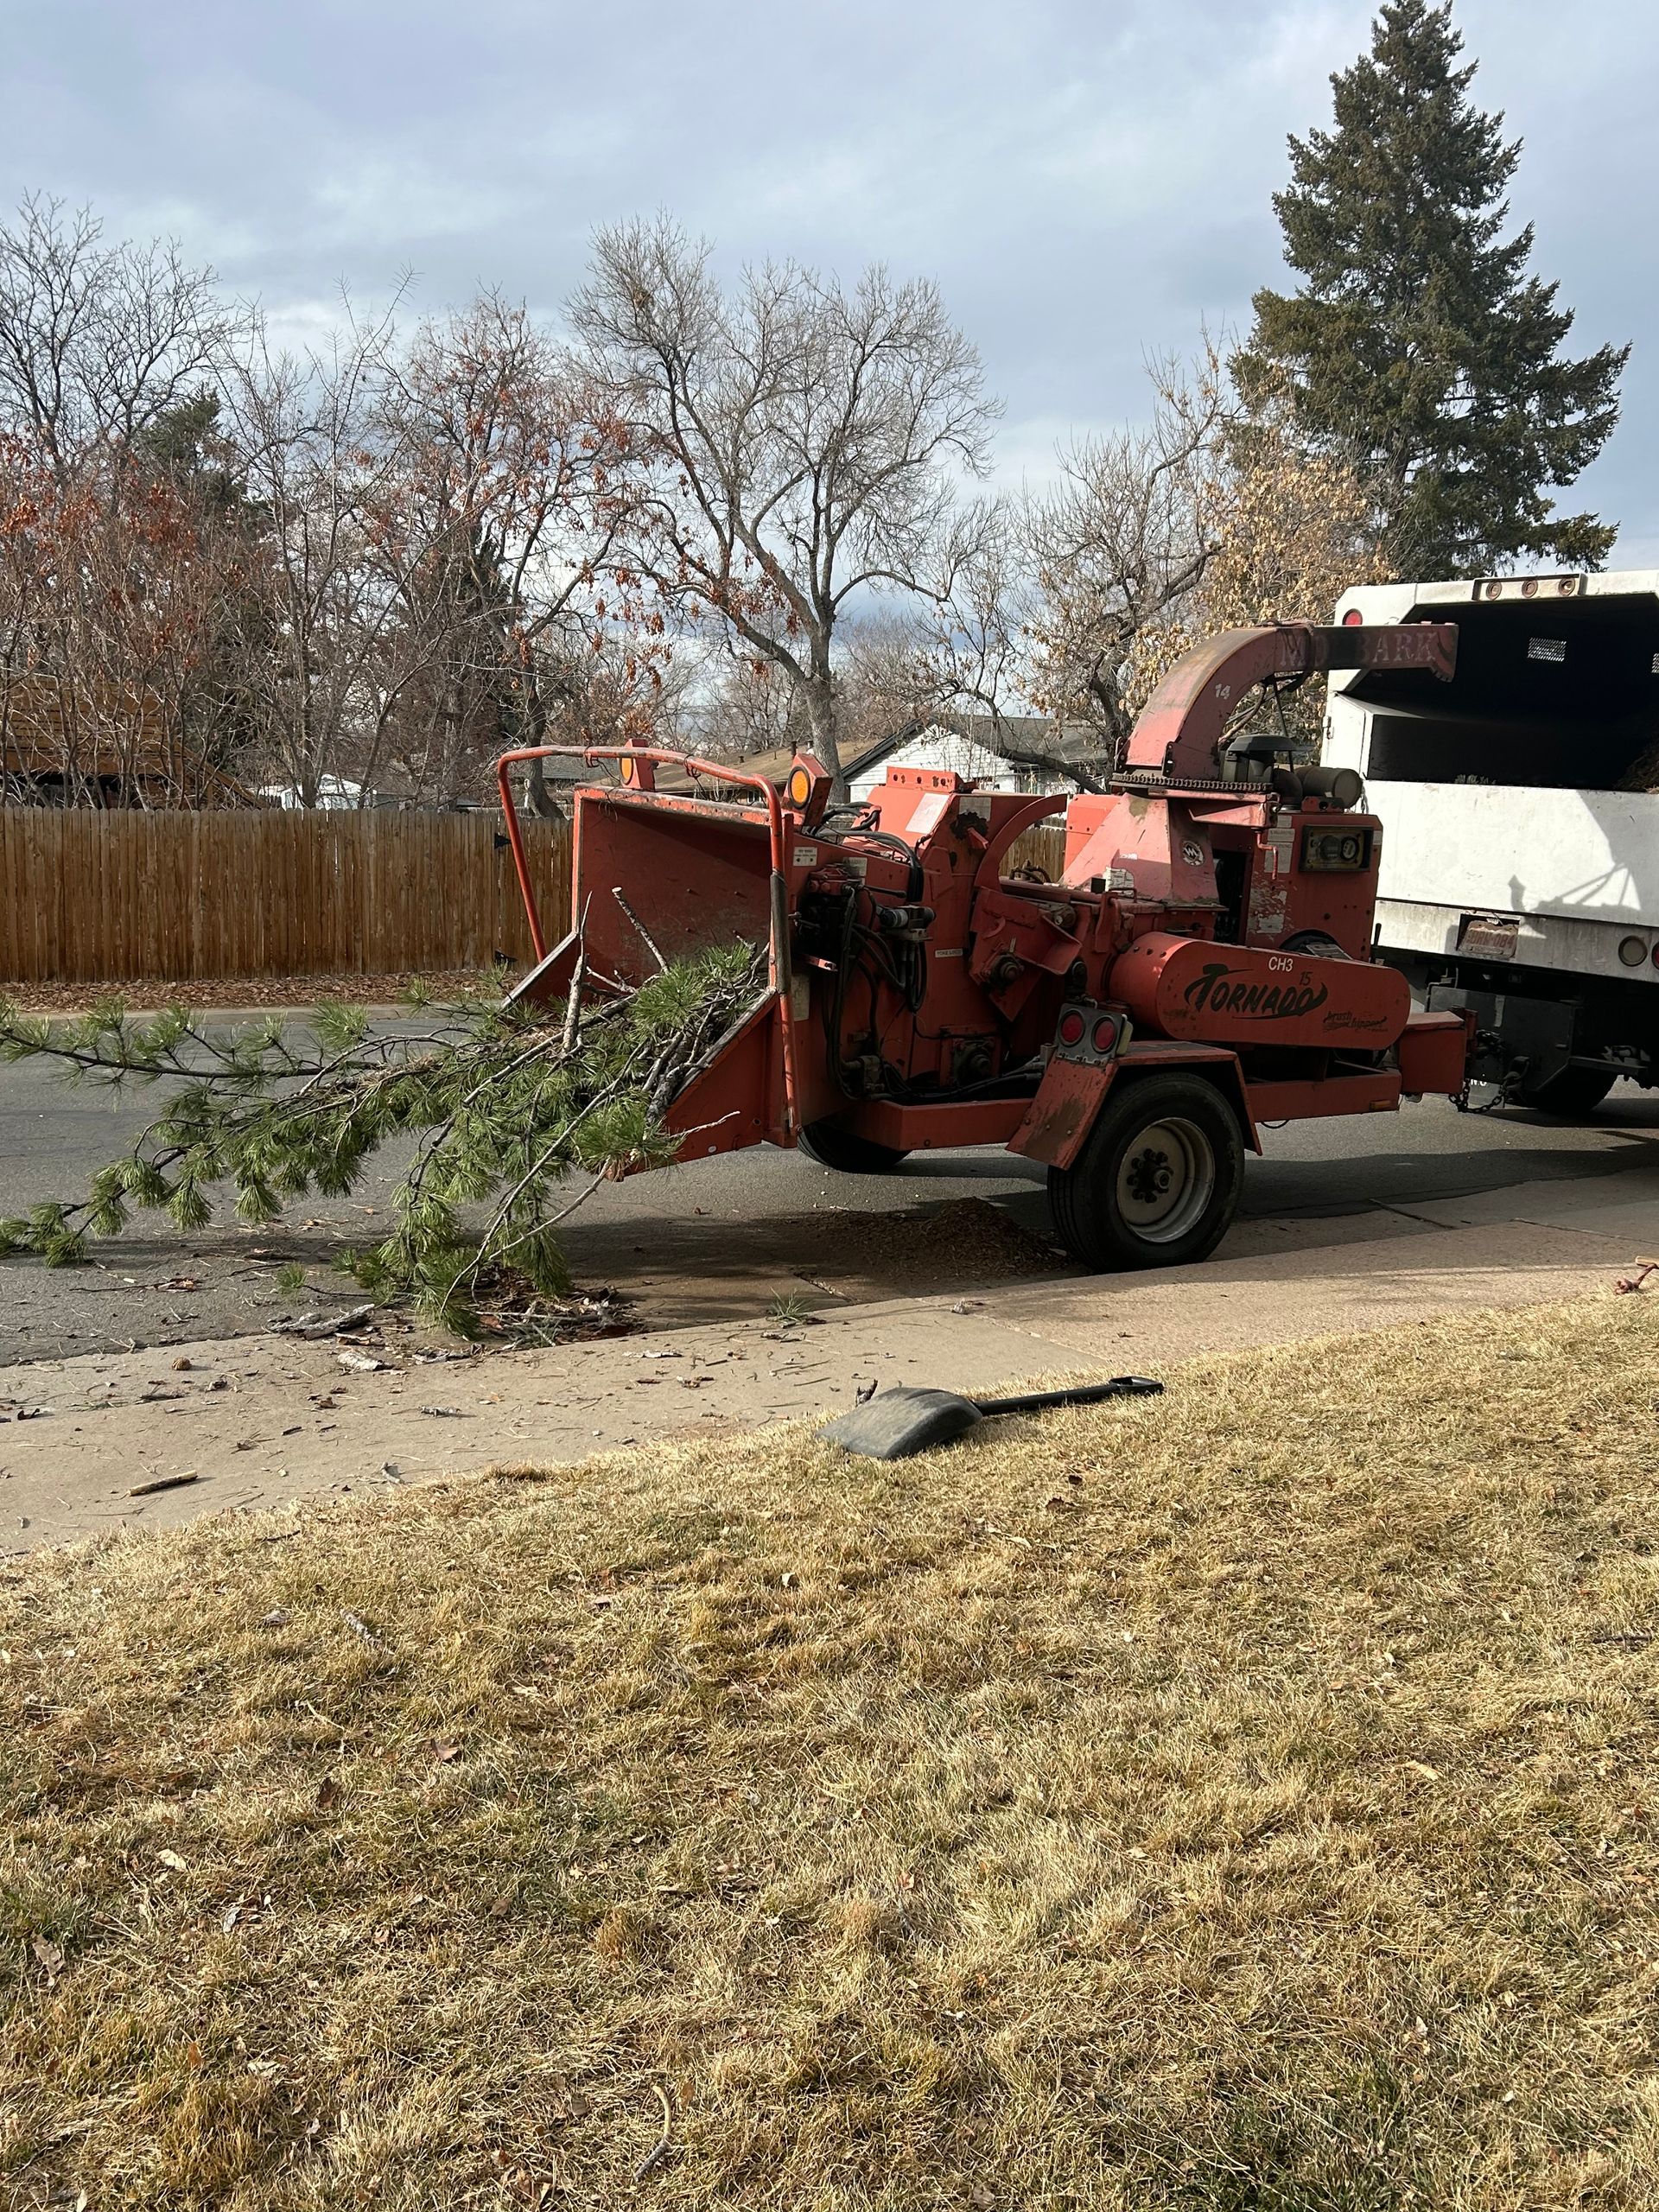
pixel 508 492
pixel 800 441
pixel 1209 517
pixel 1117 551
pixel 97 341
pixel 329 656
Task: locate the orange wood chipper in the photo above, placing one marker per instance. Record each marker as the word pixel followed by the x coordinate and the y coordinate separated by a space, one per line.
pixel 1202 966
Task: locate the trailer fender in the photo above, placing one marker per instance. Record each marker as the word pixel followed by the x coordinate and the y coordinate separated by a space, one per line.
pixel 1073 1090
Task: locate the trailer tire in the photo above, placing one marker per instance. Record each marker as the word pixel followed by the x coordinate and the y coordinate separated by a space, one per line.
pixel 1159 1179
pixel 834 1147
pixel 1571 1096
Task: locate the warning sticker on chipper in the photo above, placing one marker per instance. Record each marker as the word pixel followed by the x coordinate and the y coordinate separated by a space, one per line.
pixel 806 856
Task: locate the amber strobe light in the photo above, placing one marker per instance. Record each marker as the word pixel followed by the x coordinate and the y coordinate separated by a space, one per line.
pixel 800 787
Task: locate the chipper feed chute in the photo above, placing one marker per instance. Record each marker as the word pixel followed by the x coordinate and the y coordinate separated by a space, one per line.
pixel 655 876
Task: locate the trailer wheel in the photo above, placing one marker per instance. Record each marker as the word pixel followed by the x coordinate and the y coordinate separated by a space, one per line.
pixel 1570 1095
pixel 1158 1182
pixel 834 1147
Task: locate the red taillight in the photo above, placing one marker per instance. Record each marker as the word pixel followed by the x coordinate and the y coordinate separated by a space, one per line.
pixel 1072 1028
pixel 1353 619
pixel 1106 1035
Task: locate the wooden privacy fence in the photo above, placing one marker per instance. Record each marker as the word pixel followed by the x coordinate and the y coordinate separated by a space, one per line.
pixel 108 897
pixel 1042 846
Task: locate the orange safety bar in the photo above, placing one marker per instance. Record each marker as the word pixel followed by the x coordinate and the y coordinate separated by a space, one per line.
pixel 778 967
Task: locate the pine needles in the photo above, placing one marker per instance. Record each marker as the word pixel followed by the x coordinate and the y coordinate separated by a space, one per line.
pixel 506 1105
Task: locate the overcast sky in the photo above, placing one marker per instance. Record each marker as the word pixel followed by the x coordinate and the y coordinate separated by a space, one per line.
pixel 1087 182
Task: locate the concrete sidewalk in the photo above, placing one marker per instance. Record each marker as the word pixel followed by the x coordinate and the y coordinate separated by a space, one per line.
pixel 259 1420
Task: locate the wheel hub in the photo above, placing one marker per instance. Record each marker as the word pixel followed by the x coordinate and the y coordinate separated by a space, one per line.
pixel 1150 1175
pixel 1165 1179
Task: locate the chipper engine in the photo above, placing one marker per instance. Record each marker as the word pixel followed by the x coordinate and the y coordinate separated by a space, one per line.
pixel 1201 967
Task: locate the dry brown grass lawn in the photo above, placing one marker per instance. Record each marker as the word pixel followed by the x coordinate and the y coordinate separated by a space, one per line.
pixel 1237 1800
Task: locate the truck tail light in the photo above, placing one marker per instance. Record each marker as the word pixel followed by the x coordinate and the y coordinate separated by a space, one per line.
pixel 1106 1034
pixel 1073 1028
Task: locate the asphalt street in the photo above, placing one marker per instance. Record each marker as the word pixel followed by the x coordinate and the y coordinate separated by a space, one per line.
pixel 724 1238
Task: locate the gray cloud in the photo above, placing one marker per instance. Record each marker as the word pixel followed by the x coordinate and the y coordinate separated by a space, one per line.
pixel 1087 182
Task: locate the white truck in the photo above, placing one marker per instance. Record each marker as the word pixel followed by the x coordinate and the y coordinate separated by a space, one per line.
pixel 1520 806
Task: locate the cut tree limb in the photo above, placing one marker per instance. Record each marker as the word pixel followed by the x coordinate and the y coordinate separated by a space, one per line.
pixel 646 938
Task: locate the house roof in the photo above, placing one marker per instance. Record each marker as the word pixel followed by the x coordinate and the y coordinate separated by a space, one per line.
pixel 1064 745
pixel 98 733
pixel 49 728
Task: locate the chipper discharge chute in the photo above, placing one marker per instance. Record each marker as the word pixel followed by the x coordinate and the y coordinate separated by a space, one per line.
pixel 1202 965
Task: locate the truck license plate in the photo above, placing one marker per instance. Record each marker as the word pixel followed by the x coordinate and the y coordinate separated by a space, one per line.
pixel 1488 939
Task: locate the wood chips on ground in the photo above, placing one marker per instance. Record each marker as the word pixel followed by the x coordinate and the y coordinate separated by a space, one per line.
pixel 967 1240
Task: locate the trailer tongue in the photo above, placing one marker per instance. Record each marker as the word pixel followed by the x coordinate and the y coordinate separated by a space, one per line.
pixel 1202 965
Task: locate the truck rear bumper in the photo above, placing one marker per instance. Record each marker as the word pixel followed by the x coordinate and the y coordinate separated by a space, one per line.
pixel 1562 944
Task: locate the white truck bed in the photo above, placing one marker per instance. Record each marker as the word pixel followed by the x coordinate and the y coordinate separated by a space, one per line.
pixel 1556 682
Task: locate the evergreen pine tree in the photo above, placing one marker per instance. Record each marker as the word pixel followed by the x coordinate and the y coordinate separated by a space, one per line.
pixel 1419 345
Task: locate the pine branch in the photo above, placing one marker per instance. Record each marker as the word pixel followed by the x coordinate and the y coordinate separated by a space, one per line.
pixel 504 1104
